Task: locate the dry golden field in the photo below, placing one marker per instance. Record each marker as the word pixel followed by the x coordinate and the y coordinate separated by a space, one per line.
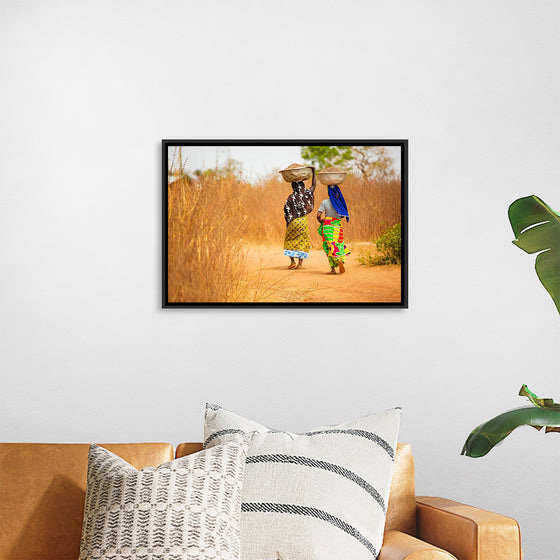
pixel 213 221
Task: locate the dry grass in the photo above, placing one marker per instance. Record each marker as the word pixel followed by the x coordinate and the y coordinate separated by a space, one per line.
pixel 205 258
pixel 373 205
pixel 211 219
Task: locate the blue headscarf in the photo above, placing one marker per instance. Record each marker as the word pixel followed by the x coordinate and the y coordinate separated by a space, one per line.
pixel 338 202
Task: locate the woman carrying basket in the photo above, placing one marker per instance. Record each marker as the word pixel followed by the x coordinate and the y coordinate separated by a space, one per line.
pixel 330 216
pixel 298 204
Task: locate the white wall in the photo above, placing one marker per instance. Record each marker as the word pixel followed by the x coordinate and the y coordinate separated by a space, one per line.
pixel 90 89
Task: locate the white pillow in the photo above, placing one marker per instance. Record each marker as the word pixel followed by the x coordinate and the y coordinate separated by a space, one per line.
pixel 321 495
pixel 187 509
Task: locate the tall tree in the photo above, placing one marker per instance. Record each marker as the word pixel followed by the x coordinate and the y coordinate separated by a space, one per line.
pixel 372 161
pixel 326 156
pixel 367 161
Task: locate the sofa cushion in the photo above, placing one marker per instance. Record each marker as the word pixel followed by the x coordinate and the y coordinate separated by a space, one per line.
pixel 186 509
pixel 401 509
pixel 42 492
pixel 322 494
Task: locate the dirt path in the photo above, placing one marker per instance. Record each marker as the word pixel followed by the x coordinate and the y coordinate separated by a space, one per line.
pixel 274 282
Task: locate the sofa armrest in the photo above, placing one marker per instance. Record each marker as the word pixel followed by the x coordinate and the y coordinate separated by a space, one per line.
pixel 467 532
pixel 401 546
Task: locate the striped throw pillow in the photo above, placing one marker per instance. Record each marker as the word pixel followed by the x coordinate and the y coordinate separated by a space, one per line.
pixel 187 509
pixel 313 496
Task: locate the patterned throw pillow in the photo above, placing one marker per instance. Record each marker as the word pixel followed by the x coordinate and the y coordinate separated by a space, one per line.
pixel 185 509
pixel 316 496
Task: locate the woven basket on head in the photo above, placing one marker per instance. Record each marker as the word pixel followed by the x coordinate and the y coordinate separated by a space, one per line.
pixel 331 176
pixel 296 172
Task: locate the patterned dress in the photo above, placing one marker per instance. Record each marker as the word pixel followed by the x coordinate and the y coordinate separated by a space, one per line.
pixel 296 240
pixel 298 205
pixel 333 241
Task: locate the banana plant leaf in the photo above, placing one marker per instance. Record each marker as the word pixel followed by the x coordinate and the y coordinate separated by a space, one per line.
pixel 537 401
pixel 536 227
pixel 544 413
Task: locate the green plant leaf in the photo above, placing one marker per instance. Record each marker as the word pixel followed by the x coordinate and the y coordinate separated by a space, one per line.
pixel 537 401
pixel 536 227
pixel 483 438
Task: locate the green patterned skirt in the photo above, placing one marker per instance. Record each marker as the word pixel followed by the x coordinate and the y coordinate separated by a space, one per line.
pixel 332 233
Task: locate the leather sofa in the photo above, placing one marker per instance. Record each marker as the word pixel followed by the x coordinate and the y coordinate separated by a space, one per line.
pixel 42 492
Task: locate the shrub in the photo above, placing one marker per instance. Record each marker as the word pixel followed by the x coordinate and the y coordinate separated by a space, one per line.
pixel 388 246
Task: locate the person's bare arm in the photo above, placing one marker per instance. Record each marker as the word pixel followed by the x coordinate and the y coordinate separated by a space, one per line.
pixel 320 217
pixel 313 180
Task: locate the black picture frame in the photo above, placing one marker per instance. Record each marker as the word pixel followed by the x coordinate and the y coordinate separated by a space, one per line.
pixel 225 143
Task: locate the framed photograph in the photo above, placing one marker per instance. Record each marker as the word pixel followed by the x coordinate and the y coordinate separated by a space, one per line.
pixel 278 223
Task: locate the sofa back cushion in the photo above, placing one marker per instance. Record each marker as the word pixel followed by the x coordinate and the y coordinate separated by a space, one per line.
pixel 42 493
pixel 401 509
